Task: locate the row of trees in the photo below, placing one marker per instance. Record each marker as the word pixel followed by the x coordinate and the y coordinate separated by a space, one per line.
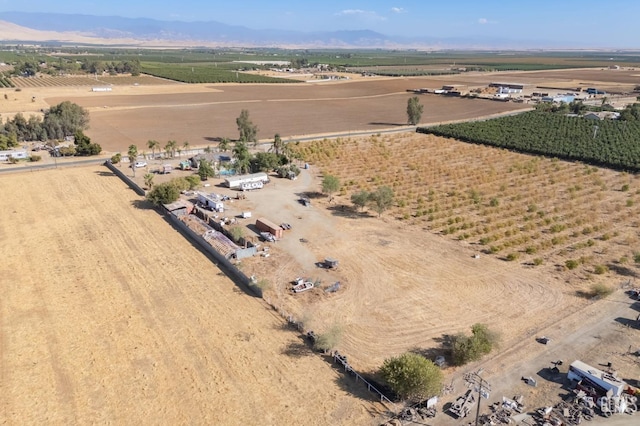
pixel 30 68
pixel 60 121
pixel 609 143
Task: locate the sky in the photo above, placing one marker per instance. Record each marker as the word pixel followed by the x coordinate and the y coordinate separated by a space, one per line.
pixel 602 23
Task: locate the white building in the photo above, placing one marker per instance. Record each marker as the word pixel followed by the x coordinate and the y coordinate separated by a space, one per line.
pixel 19 154
pixel 252 181
pixel 581 372
pixel 211 201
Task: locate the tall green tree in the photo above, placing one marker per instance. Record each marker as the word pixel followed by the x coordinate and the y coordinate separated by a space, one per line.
pixel 381 199
pixel 64 119
pixel 278 145
pixel 170 147
pixel 148 180
pixel 153 145
pixel 223 145
pixel 330 185
pixel 412 376
pixel 361 199
pixel 205 170
pixel 242 157
pixel 414 110
pixel 248 131
pixel 132 154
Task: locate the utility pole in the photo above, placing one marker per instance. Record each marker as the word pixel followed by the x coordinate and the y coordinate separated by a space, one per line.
pixel 481 385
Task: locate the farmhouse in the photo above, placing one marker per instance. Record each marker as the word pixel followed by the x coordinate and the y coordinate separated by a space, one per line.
pixel 252 181
pixel 19 154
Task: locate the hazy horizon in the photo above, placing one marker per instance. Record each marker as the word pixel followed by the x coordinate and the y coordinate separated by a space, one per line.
pixel 580 24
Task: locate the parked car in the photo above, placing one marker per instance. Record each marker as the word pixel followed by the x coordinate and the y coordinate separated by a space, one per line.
pixel 139 164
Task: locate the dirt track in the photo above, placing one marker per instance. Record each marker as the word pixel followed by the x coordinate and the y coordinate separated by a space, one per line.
pixel 108 315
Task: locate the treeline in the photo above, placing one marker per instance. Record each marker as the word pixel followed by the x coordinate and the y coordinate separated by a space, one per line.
pixel 61 120
pixel 29 68
pixel 607 143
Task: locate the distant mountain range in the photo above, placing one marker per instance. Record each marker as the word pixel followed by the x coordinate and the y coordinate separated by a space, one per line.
pixel 112 30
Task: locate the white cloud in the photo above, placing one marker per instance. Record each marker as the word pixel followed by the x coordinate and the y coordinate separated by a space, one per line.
pixel 361 14
pixel 485 21
pixel 398 10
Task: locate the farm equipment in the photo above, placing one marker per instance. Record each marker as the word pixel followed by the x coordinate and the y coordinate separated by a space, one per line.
pixel 462 406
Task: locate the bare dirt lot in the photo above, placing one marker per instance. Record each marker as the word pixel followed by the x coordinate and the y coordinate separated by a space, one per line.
pixel 108 315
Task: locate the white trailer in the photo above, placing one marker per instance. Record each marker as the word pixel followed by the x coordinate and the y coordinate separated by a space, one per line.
pixel 255 179
pixel 581 372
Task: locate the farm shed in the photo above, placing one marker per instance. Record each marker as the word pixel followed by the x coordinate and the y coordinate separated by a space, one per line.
pixel 237 182
pixel 211 201
pixel 265 225
pixel 180 207
pixel 591 376
pixel 19 154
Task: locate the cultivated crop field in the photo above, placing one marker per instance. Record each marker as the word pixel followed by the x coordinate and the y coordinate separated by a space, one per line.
pixel 537 212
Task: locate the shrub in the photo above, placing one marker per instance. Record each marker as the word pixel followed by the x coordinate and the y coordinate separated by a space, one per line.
pixel 571 264
pixel 531 250
pixel 600 269
pixel 412 376
pixel 537 261
pixel 471 348
pixel 35 158
pixel 600 290
pixel 236 233
pixel 512 256
pixel 163 193
pixel 329 339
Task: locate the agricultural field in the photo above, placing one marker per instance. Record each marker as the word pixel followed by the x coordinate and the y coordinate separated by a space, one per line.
pixel 108 315
pixel 64 81
pixel 610 143
pixel 576 221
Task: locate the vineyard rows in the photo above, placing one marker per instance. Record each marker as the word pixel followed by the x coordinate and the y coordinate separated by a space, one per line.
pixel 515 206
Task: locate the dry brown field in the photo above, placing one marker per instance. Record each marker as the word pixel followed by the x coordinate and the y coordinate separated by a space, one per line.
pixel 409 279
pixel 108 315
